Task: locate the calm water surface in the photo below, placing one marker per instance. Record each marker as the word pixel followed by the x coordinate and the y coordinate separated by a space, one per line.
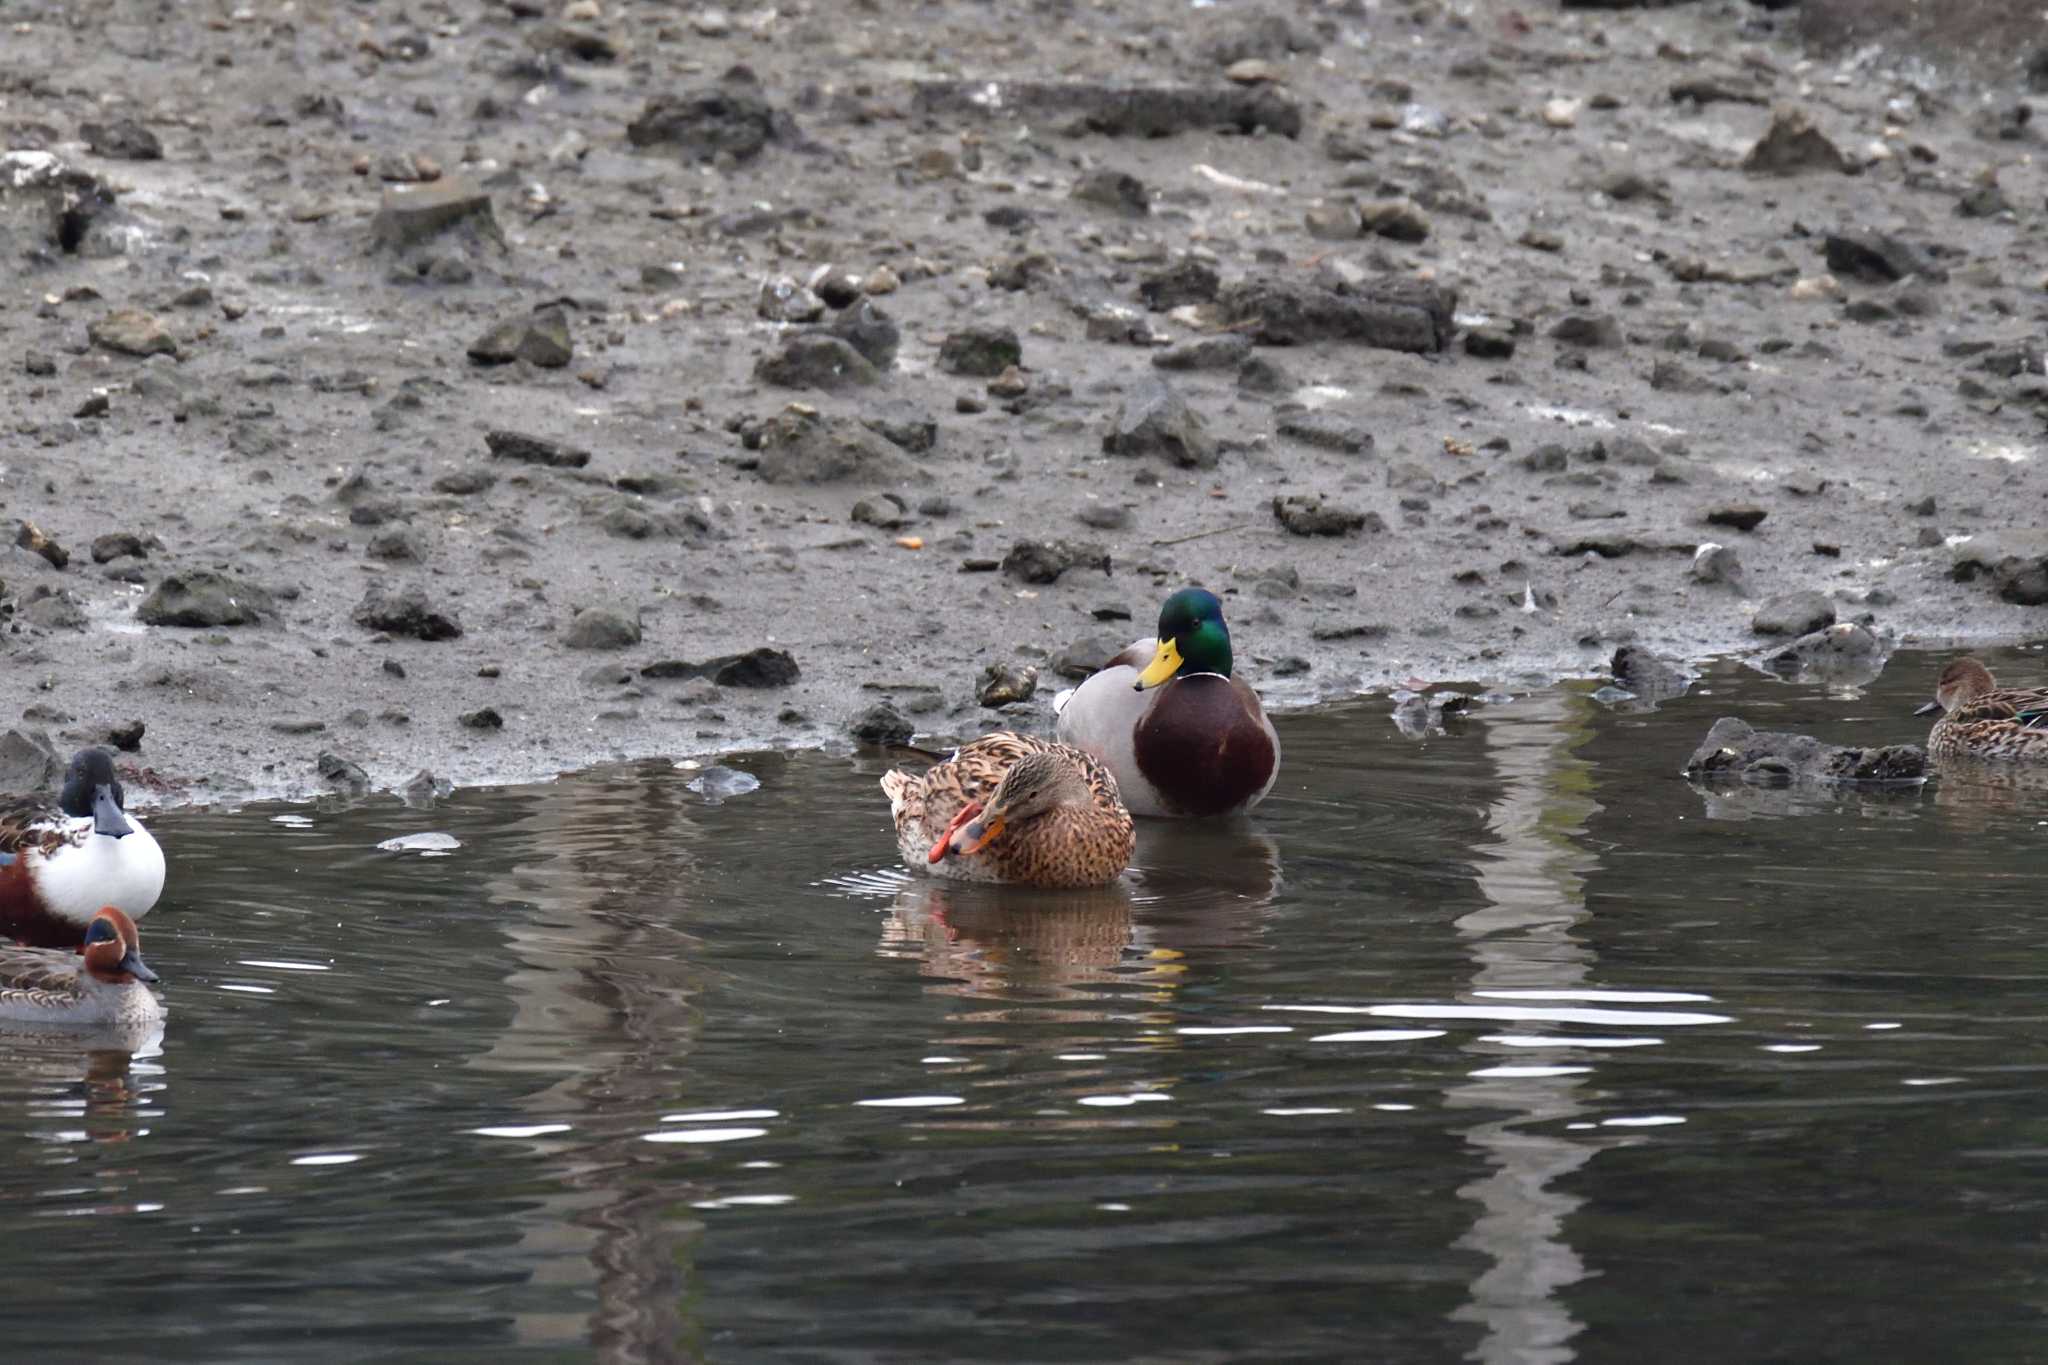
pixel 1502 1045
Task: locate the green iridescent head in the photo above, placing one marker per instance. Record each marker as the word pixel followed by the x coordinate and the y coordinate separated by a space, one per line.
pixel 1192 639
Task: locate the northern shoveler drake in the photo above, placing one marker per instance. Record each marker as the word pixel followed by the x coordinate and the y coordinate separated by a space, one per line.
pixel 101 985
pixel 1980 719
pixel 1011 808
pixel 1184 736
pixel 60 863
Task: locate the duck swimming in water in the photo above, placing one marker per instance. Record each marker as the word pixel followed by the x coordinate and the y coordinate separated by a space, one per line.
pixel 60 863
pixel 1015 809
pixel 1980 719
pixel 98 986
pixel 1183 735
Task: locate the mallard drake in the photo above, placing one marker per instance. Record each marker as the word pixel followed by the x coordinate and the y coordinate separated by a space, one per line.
pixel 1980 719
pixel 59 863
pixel 1011 808
pixel 1183 736
pixel 102 985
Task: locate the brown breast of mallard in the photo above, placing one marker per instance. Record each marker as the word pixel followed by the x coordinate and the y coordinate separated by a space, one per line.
pixel 1202 746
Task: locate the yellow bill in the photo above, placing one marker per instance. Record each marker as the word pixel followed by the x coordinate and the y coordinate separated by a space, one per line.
pixel 1165 663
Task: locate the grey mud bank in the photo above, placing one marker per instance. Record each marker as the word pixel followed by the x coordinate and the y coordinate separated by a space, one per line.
pixel 494 389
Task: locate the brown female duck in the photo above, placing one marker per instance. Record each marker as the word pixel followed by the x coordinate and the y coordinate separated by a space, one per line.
pixel 1980 719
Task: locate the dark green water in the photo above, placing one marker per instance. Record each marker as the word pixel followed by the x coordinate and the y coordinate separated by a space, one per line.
pixel 1507 1046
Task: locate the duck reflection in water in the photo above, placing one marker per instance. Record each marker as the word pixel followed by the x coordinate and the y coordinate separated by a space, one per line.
pixel 94 1087
pixel 1192 886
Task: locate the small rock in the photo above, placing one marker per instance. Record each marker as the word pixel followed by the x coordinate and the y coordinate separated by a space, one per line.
pixel 1584 329
pixel 718 784
pixel 782 299
pixel 880 724
pixel 601 628
pixel 1003 684
pixel 1184 282
pixel 30 537
pixel 203 598
pixel 1733 749
pixel 1313 516
pixel 1842 652
pixel 1398 219
pixel 411 215
pixel 28 764
pixel 880 280
pixel 757 668
pixel 1043 561
pixel 1713 563
pixel 395 544
pixel 1222 351
pixel 1743 516
pixel 467 481
pixel 1325 432
pixel 1338 222
pixel 516 445
pixel 802 446
pixel 2016 562
pixel 1877 258
pixel 730 119
pixel 130 331
pixel 408 613
pixel 1115 190
pixel 128 737
pixel 337 771
pixel 1791 145
pixel 483 718
pixel 980 352
pixel 1103 516
pixel 1154 420
pixel 540 338
pixel 1796 613
pixel 124 140
pixel 815 360
pixel 883 510
pixel 1490 343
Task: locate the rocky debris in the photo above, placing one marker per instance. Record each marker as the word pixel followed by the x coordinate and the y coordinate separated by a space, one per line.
pixel 1324 432
pixel 885 511
pixel 904 426
pixel 466 481
pixel 204 598
pixel 1712 563
pixel 525 449
pixel 1186 281
pixel 48 203
pixel 1118 191
pixel 870 331
pixel 341 773
pixel 718 784
pixel 1734 750
pixel 30 537
pixel 1877 258
pixel 407 613
pixel 127 736
pixel 801 445
pixel 1117 110
pixel 1154 420
pixel 1587 329
pixel 1650 679
pixel 539 338
pixel 52 608
pixel 1222 351
pixel 815 360
pixel 131 331
pixel 1004 684
pixel 123 139
pixel 880 724
pixel 2016 563
pixel 483 718
pixel 411 215
pixel 1793 613
pixel 1792 145
pixel 28 763
pixel 1400 220
pixel 781 298
pixel 396 544
pixel 980 352
pixel 757 668
pixel 1396 313
pixel 1844 652
pixel 601 628
pixel 1740 516
pixel 1312 515
pixel 731 119
pixel 1490 343
pixel 1087 656
pixel 1043 561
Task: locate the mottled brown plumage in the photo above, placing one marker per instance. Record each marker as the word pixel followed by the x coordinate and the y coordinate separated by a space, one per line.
pixel 1011 808
pixel 1983 720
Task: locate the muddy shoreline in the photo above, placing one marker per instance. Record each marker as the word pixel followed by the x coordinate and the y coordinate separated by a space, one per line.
pixel 487 391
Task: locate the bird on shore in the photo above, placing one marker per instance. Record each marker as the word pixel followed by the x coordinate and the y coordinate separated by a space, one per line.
pixel 101 985
pixel 1014 809
pixel 1182 734
pixel 61 862
pixel 1980 719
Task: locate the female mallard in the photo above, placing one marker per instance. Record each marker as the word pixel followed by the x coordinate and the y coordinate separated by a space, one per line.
pixel 1010 808
pixel 60 863
pixel 1181 734
pixel 101 985
pixel 1983 720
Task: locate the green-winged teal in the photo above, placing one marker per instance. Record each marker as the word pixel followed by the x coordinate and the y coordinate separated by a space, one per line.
pixel 1980 719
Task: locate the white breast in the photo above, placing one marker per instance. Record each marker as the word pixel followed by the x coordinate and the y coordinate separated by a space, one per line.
pixel 75 881
pixel 1100 718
